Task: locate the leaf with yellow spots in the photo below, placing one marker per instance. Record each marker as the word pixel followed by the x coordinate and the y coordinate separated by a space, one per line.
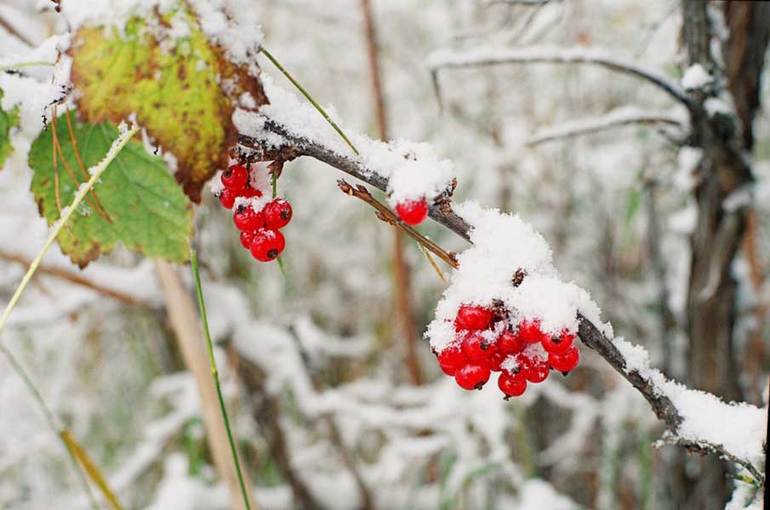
pixel 181 87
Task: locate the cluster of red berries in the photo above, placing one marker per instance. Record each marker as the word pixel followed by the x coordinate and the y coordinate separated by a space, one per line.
pixel 260 230
pixel 412 212
pixel 522 352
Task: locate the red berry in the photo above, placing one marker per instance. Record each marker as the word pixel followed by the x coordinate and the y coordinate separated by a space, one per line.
pixel 512 384
pixel 412 212
pixel 246 237
pixel 227 198
pixel 565 361
pixel 509 342
pixel 558 344
pixel 533 368
pixel 277 213
pixel 472 376
pixel 475 347
pixel 529 332
pixel 249 192
pixel 267 244
pixel 496 360
pixel 451 359
pixel 246 218
pixel 235 178
pixel 473 318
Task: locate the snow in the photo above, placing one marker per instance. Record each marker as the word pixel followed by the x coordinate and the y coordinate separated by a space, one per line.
pixel 231 24
pixel 695 77
pixel 502 245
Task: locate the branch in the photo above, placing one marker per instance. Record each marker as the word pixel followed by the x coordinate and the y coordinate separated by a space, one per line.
pixel 446 59
pixel 654 387
pixel 618 117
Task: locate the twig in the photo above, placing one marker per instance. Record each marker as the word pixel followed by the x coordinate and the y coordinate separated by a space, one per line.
pixel 521 55
pixel 619 117
pixel 14 32
pixel 53 421
pixel 184 322
pixel 215 374
pixel 388 216
pixel 662 405
pixel 77 279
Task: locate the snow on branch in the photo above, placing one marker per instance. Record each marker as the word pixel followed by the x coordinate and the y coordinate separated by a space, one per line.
pixel 618 117
pixel 445 59
pixel 699 421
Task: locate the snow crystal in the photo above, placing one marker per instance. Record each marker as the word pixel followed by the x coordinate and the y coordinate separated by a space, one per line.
pixel 502 245
pixel 695 77
pixel 231 24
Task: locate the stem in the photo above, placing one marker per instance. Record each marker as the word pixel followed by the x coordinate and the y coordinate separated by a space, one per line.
pixel 51 418
pixel 307 95
pixel 35 63
pixel 215 373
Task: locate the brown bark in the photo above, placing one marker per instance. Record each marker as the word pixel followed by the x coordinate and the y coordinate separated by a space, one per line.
pixel 404 318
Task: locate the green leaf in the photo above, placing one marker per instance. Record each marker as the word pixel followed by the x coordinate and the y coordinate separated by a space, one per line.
pixel 8 120
pixel 136 202
pixel 182 88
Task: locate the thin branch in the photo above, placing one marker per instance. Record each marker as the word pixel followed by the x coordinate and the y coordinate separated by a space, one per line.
pixel 77 279
pixel 15 32
pixel 448 59
pixel 661 404
pixel 619 117
pixel 388 216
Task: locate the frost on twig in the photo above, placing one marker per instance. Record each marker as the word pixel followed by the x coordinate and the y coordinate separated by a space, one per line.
pixel 696 420
pixel 446 59
pixel 624 116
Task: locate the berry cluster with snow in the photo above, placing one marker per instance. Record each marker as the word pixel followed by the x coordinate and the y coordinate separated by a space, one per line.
pixel 244 189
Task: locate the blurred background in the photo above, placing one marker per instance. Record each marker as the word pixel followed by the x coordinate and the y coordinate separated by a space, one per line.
pixel 336 399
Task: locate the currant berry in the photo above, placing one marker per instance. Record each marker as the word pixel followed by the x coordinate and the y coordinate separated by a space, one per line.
pixel 246 219
pixel 277 214
pixel 235 178
pixel 475 347
pixel 533 368
pixel 227 198
pixel 267 244
pixel 249 192
pixel 246 237
pixel 496 360
pixel 566 361
pixel 558 344
pixel 529 332
pixel 472 376
pixel 412 212
pixel 473 318
pixel 509 342
pixel 451 359
pixel 512 384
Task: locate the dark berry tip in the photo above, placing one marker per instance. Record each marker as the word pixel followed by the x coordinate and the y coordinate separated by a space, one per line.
pixel 272 253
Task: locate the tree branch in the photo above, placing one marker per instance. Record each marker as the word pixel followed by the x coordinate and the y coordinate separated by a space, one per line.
pixel 448 59
pixel 647 383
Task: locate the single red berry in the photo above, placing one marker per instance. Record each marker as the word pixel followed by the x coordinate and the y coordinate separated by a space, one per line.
pixel 412 212
pixel 235 178
pixel 246 237
pixel 509 342
pixel 529 332
pixel 277 213
pixel 558 344
pixel 267 244
pixel 534 368
pixel 227 198
pixel 451 359
pixel 472 376
pixel 249 192
pixel 475 347
pixel 246 218
pixel 512 384
pixel 566 361
pixel 496 360
pixel 473 318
